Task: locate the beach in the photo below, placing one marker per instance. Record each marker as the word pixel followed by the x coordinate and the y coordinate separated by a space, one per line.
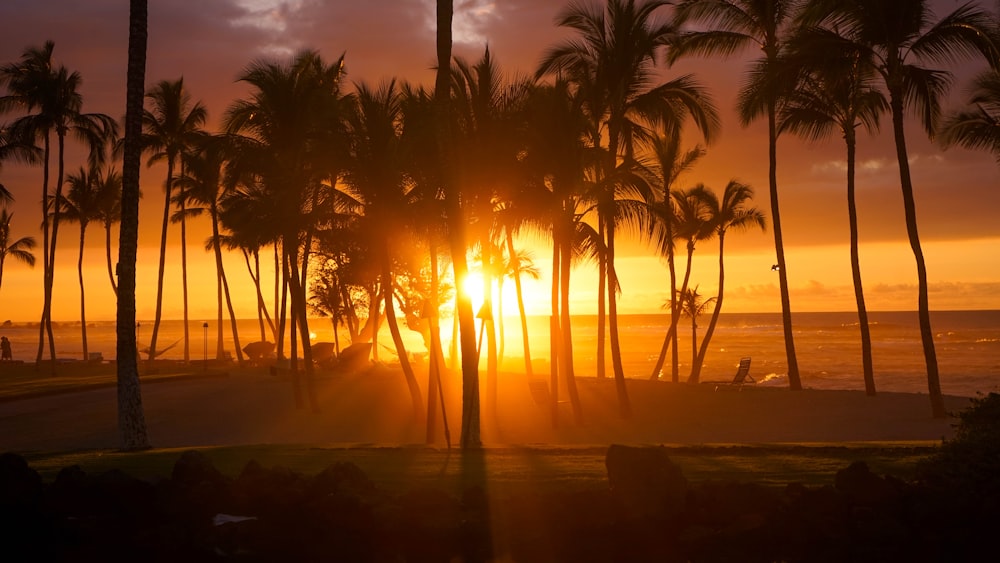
pixel 243 406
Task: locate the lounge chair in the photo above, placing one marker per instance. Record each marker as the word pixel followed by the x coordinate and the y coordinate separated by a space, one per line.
pixel 743 373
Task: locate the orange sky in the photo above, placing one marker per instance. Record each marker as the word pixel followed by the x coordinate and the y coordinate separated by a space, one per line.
pixel 958 192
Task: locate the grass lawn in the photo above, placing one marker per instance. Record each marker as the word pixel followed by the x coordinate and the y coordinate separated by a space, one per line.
pixel 512 469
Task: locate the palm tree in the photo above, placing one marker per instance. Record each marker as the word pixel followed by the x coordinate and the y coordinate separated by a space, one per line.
pixel 35 84
pixel 837 93
pixel 171 127
pixel 19 249
pixel 470 437
pixel 109 212
pixel 897 53
pixel 732 211
pixel 203 185
pixel 377 172
pixel 692 306
pixel 81 205
pixel 669 161
pixel 692 225
pixel 288 136
pixel 733 26
pixel 978 125
pixel 131 419
pixel 486 106
pixel 612 63
pixel 559 164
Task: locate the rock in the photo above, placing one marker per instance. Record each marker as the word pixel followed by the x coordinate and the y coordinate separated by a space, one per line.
pixel 19 483
pixel 862 487
pixel 646 480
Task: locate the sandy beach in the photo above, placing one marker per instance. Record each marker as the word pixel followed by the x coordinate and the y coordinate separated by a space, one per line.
pixel 250 406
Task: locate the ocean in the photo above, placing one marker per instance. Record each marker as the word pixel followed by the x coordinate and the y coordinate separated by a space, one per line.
pixel 827 346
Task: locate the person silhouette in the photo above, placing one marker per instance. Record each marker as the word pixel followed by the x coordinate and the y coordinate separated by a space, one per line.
pixel 5 353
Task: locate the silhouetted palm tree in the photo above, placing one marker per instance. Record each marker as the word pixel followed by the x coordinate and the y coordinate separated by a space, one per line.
pixel 35 84
pixel 131 419
pixel 171 127
pixel 668 162
pixel 289 137
pixel 377 171
pixel 470 437
pixel 978 125
pixel 109 212
pixel 898 37
pixel 486 106
pixel 732 211
pixel 204 186
pixel 836 93
pixel 81 205
pixel 19 249
pixel 731 26
pixel 692 306
pixel 612 63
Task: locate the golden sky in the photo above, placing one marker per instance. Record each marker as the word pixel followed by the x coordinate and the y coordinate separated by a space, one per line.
pixel 209 43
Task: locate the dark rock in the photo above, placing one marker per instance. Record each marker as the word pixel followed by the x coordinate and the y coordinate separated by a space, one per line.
pixel 19 483
pixel 862 487
pixel 646 480
pixel 193 468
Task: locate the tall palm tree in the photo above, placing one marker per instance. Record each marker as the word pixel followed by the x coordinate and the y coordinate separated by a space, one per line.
pixel 732 211
pixel 613 62
pixel 171 126
pixel 377 171
pixel 899 38
pixel 81 205
pixel 19 249
pixel 559 165
pixel 836 93
pixel 668 162
pixel 109 212
pixel 35 84
pixel 131 419
pixel 487 106
pixel 977 126
pixel 287 134
pixel 470 437
pixel 731 26
pixel 692 225
pixel 204 186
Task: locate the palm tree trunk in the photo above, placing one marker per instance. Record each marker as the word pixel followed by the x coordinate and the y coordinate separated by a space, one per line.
pixel 703 351
pixel 470 438
pixel 131 420
pixel 859 292
pixel 397 338
pixel 217 246
pixel 566 331
pixel 672 330
pixel 489 321
pixel 520 304
pixel 184 278
pixel 555 338
pixel 163 260
pixel 624 405
pixel 923 305
pixel 794 382
pixel 83 301
pixel 602 283
pixel 107 246
pixel 46 287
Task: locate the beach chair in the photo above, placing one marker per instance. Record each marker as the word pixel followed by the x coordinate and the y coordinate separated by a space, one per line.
pixel 743 373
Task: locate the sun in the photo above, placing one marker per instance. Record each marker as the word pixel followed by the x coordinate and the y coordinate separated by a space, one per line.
pixel 472 287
